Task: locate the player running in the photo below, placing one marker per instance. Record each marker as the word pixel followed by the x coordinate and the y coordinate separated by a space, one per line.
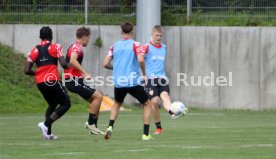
pixel 126 61
pixel 157 84
pixel 75 79
pixel 46 56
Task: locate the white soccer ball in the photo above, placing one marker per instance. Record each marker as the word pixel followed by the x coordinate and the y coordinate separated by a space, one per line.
pixel 179 108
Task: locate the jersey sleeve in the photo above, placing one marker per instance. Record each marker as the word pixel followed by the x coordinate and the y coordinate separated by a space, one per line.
pixel 143 49
pixel 56 50
pixel 136 46
pixel 59 51
pixel 110 51
pixel 33 55
pixel 77 50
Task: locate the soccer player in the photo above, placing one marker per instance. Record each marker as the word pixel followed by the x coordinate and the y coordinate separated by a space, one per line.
pixel 75 79
pixel 126 77
pixel 46 56
pixel 157 84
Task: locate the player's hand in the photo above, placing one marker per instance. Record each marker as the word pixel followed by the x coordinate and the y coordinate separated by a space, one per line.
pixel 87 75
pixel 144 80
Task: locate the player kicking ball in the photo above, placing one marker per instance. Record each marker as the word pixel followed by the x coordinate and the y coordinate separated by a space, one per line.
pixel 157 85
pixel 46 56
pixel 75 79
pixel 126 77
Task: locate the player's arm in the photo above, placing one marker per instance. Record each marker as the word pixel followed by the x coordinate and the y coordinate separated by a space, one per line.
pixel 107 63
pixel 74 62
pixel 60 56
pixel 33 55
pixel 141 51
pixel 109 57
pixel 141 60
pixel 28 68
pixel 63 62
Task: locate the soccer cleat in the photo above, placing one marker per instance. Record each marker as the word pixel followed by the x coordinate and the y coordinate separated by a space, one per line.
pixel 147 137
pixel 43 129
pixel 108 133
pixel 157 131
pixel 52 137
pixel 93 130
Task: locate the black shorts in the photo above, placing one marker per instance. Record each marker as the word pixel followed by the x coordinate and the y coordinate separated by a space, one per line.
pixel 137 92
pixel 155 86
pixel 54 94
pixel 77 85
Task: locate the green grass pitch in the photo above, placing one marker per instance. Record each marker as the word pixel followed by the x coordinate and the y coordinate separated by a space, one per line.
pixel 201 134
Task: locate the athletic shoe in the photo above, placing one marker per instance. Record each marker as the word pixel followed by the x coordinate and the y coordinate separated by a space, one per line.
pixel 93 130
pixel 43 129
pixel 108 133
pixel 52 137
pixel 147 137
pixel 158 131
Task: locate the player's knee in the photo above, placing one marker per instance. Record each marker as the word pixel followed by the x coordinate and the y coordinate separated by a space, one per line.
pixel 118 103
pixel 165 95
pixel 148 103
pixel 98 95
pixel 155 102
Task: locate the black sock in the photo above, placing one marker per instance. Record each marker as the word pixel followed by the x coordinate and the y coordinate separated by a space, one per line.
pixel 49 130
pixel 146 129
pixel 158 125
pixel 111 123
pixel 170 112
pixel 96 122
pixel 48 123
pixel 92 119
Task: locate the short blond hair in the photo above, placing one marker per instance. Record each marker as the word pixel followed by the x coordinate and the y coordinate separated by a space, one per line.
pixel 157 28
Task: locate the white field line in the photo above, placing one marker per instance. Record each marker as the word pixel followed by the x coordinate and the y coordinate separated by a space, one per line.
pixel 66 153
pixel 256 145
pixel 25 144
pixel 209 147
pixel 183 147
pixel 134 150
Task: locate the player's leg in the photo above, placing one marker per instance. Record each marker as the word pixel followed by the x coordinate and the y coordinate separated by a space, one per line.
pixel 51 108
pixel 156 114
pixel 147 115
pixel 152 91
pixel 139 93
pixel 164 93
pixel 62 98
pixel 120 94
pixel 94 107
pixel 94 98
pixel 78 86
pixel 54 95
pixel 166 100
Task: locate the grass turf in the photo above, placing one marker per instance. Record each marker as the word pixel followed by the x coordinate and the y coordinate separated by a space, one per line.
pixel 199 135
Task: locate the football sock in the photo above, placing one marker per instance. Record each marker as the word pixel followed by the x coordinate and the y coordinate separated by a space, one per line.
pixel 170 112
pixel 111 123
pixel 48 123
pixel 92 119
pixel 158 125
pixel 146 129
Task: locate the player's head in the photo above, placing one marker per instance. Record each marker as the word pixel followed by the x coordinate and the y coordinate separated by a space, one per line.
pixel 83 35
pixel 46 33
pixel 127 28
pixel 157 33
